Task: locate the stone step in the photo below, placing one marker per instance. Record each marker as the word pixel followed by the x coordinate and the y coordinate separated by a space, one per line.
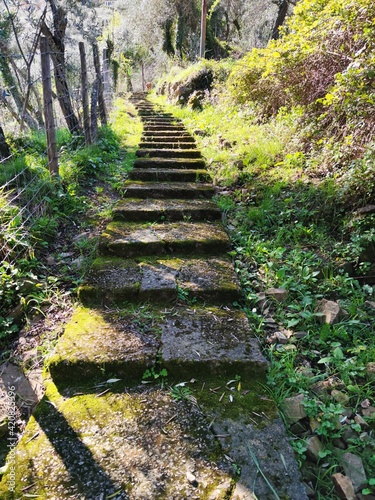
pixel 166 133
pixel 114 281
pixel 169 174
pixel 189 342
pixel 161 121
pixel 163 163
pixel 146 113
pixel 122 445
pixel 169 210
pixel 177 140
pixel 123 239
pixel 163 127
pixel 167 190
pixel 168 153
pixel 106 440
pixel 167 145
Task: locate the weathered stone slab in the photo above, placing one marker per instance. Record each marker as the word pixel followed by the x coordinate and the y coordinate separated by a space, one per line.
pixel 124 446
pixel 210 341
pixel 147 113
pixel 177 140
pixel 213 277
pixel 115 280
pixel 172 132
pixel 97 342
pixel 169 174
pixel 163 163
pixel 149 127
pixel 167 153
pixel 131 239
pixel 157 210
pixel 168 190
pixel 176 146
pixel 267 442
pixel 156 119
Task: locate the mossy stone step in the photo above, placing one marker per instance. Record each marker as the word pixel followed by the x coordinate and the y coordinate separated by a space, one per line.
pixel 168 153
pixel 173 132
pixel 117 444
pixel 178 145
pixel 161 121
pixel 144 114
pixel 167 190
pixel 170 210
pixel 177 140
pixel 169 174
pixel 162 163
pixel 204 341
pixel 125 239
pixel 147 127
pixel 114 280
pixel 94 339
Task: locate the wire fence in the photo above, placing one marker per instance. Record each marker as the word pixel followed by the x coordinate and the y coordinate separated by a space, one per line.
pixel 23 205
pixel 26 190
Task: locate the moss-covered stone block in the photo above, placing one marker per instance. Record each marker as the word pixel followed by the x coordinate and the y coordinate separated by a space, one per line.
pixel 98 344
pixel 140 445
pixel 161 280
pixel 167 190
pixel 165 163
pixel 154 210
pixel 127 240
pixel 211 342
pixel 170 175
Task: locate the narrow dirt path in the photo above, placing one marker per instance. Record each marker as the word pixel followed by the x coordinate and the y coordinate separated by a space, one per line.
pixel 158 307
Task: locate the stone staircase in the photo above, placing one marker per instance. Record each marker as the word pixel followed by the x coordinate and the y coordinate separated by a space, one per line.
pixel 158 307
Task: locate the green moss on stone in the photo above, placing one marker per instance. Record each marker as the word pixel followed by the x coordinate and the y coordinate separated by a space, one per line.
pixel 87 446
pixel 96 345
pixel 249 402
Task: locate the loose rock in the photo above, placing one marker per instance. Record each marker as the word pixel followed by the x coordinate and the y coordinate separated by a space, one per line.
pixel 293 408
pixel 340 397
pixel 343 486
pixel 370 372
pixel 353 468
pixel 279 294
pixel 330 311
pixel 314 447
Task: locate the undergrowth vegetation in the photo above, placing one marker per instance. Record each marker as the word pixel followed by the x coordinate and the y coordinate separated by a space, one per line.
pixel 289 143
pixel 40 214
pixel 287 132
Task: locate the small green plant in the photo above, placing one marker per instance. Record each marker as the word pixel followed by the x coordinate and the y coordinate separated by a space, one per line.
pixel 369 491
pixel 300 448
pixel 184 296
pixel 327 416
pixel 180 392
pixel 155 373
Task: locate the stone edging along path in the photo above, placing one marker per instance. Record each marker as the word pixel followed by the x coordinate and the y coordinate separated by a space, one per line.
pixel 157 307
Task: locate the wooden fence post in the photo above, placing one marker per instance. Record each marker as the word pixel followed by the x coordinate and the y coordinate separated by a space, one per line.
pixel 85 95
pixel 106 79
pixel 202 48
pixel 102 108
pixel 53 164
pixel 94 111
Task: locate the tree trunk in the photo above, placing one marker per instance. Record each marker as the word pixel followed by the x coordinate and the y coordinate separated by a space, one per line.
pixel 13 84
pixel 283 11
pixel 57 47
pixel 4 148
